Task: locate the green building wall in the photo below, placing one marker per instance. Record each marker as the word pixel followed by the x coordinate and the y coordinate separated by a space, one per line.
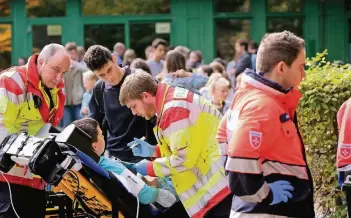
pixel 193 24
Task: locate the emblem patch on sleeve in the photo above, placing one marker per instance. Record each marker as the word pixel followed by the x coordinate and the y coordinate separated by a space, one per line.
pixel 255 139
pixel 345 151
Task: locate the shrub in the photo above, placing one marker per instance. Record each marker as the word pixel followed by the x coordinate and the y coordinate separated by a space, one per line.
pixel 326 86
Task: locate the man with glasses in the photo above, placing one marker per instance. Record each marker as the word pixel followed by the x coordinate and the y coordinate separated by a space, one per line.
pixel 30 96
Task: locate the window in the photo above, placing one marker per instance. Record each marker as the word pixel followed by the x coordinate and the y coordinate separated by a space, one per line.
pixel 284 6
pixel 120 7
pixel 232 5
pixel 46 8
pixel 45 34
pixel 5 46
pixel 103 34
pixel 142 35
pixel 5 8
pixel 348 5
pixel 228 32
pixel 294 25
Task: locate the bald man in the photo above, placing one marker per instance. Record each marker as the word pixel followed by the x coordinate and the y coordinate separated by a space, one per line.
pixel 30 96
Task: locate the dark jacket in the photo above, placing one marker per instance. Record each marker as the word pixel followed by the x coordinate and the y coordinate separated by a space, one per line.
pixel 243 62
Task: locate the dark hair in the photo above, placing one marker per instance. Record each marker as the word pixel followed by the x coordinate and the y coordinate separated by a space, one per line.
pixel 158 42
pixel 140 64
pixel 175 61
pixel 97 56
pixel 198 53
pixel 276 47
pixel 220 61
pixel 71 46
pixel 89 126
pixel 243 42
pixel 217 67
pixel 253 44
pixel 207 69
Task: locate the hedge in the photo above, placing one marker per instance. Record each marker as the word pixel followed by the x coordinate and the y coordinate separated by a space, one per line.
pixel 326 87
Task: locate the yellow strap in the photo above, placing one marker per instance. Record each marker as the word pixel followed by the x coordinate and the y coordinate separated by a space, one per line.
pixel 163 101
pixel 47 98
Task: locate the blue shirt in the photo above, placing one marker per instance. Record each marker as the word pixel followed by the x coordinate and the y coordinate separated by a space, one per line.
pixel 155 67
pixel 193 83
pixel 85 101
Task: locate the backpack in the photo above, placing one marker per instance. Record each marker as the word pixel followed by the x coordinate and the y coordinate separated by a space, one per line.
pixel 99 95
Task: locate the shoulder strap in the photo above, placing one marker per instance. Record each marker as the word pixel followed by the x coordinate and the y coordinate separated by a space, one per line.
pixel 128 70
pixel 99 95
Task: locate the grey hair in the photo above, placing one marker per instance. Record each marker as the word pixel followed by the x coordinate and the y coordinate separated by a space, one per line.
pixel 118 44
pixel 49 50
pixel 183 50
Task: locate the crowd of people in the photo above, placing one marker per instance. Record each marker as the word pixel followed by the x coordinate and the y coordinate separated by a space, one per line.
pixel 215 81
pixel 217 140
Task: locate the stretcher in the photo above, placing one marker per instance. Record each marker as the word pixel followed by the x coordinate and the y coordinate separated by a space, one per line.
pixel 62 161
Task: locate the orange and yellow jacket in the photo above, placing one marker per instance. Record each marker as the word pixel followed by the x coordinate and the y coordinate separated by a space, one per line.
pixel 187 148
pixel 25 107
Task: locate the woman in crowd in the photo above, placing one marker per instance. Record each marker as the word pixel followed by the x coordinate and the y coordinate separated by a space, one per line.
pixel 128 57
pixel 195 60
pixel 140 64
pixel 219 89
pixel 177 74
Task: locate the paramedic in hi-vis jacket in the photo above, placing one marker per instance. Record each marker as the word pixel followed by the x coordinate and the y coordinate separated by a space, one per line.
pixel 343 160
pixel 30 96
pixel 187 149
pixel 266 162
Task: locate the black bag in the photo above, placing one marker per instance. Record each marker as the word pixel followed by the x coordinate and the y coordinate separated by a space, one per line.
pixel 47 160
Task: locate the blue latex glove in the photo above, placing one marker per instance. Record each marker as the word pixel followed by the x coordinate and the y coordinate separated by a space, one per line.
pixel 281 191
pixel 140 167
pixel 141 148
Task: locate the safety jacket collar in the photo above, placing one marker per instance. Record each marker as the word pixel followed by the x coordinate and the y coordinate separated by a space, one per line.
pixel 289 97
pixel 160 92
pixel 31 74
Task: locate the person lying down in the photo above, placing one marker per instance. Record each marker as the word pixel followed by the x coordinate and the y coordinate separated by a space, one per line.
pixel 134 184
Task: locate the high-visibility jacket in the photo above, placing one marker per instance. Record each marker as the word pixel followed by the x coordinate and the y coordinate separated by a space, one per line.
pixel 187 148
pixel 344 143
pixel 260 136
pixel 25 107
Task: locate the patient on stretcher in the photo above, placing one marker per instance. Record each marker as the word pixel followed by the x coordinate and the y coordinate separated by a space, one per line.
pixel 145 193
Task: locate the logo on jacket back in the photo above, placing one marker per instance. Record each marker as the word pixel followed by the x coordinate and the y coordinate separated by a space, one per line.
pixel 255 139
pixel 180 93
pixel 345 151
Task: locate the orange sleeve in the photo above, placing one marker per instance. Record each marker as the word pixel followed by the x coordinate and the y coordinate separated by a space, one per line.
pixel 222 135
pixel 256 128
pixel 344 142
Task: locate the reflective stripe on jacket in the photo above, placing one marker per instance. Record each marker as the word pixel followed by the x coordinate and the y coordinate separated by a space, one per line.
pixel 189 153
pixel 260 136
pixel 19 112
